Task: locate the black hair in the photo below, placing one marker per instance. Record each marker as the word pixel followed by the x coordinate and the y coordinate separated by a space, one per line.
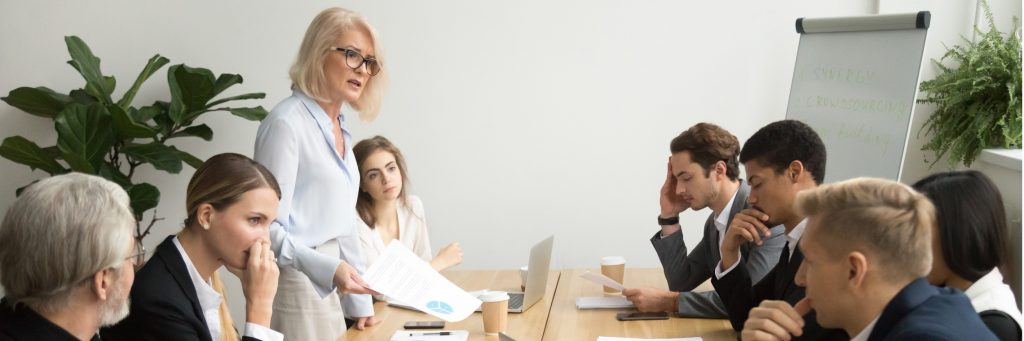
pixel 971 221
pixel 779 143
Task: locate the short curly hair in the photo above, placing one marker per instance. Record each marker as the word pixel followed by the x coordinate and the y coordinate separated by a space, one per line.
pixel 779 143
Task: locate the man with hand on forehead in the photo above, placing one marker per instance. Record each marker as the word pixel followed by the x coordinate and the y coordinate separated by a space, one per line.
pixel 867 248
pixel 781 160
pixel 703 172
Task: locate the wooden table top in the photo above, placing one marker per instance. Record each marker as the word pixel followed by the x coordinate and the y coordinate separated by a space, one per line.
pixel 526 326
pixel 568 323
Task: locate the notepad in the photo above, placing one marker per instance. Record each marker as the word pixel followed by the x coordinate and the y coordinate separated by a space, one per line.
pixel 409 335
pixel 613 302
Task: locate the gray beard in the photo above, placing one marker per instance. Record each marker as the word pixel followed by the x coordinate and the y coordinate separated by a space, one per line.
pixel 115 309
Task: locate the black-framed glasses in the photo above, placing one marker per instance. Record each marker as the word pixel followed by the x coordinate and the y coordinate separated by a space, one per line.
pixel 354 60
pixel 139 258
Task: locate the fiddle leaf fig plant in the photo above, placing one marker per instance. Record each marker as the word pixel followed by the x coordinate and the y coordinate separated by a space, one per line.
pixel 97 135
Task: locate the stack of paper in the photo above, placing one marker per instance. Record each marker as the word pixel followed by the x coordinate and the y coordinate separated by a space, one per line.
pixel 612 302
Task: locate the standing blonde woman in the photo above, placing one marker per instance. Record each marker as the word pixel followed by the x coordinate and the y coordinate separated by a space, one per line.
pixel 306 144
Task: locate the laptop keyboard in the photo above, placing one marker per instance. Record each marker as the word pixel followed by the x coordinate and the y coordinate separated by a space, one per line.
pixel 515 300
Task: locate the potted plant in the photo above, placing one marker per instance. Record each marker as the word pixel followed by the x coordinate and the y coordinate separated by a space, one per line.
pixel 977 97
pixel 111 139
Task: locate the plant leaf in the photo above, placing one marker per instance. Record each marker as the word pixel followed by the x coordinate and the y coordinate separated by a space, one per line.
pixel 126 128
pixel 23 151
pixel 224 81
pixel 151 67
pixel 107 171
pixel 190 88
pixel 143 197
pixel 251 95
pixel 84 135
pixel 39 101
pixel 190 159
pixel 252 114
pixel 88 65
pixel 201 131
pixel 161 156
pixel 81 97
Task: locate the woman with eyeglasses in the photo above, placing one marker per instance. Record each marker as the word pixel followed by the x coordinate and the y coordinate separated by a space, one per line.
pixel 231 201
pixel 306 143
pixel 969 244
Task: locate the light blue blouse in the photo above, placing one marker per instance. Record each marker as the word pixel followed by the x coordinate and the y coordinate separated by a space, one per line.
pixel 318 194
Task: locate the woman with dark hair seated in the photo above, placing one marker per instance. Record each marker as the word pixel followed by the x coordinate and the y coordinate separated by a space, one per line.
pixel 969 245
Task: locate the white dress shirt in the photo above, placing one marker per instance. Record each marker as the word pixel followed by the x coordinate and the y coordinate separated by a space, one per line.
pixel 412 231
pixel 989 293
pixel 209 302
pixel 319 185
pixel 722 221
pixel 866 332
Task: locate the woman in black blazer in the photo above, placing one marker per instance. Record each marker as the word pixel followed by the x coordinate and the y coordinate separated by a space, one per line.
pixel 231 202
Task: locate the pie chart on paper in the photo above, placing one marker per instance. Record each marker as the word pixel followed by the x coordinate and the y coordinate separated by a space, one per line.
pixel 439 307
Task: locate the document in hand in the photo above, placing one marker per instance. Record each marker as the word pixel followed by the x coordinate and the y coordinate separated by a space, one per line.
pixel 602 280
pixel 403 276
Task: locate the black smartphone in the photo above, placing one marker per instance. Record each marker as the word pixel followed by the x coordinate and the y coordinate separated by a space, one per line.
pixel 424 325
pixel 641 316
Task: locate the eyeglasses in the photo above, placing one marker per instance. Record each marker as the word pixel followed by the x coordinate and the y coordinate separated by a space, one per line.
pixel 354 60
pixel 139 257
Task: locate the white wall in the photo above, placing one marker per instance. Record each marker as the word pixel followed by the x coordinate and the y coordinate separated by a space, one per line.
pixel 518 119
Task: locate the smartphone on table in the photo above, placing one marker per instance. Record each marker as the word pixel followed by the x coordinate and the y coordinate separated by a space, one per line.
pixel 424 325
pixel 636 316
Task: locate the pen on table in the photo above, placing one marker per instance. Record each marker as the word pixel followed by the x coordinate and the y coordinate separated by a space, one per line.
pixel 434 333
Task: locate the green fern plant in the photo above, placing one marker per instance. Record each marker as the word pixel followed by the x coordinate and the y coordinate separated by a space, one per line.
pixel 977 97
pixel 100 136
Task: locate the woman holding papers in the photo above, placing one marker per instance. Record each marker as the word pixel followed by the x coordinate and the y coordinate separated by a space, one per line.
pixel 969 246
pixel 305 142
pixel 386 212
pixel 231 201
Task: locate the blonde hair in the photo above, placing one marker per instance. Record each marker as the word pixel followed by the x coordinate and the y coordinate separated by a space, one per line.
pixel 882 218
pixel 60 231
pixel 307 73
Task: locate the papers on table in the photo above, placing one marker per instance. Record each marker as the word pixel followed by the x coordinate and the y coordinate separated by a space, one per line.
pixel 611 302
pixel 602 280
pixel 404 277
pixel 451 335
pixel 608 338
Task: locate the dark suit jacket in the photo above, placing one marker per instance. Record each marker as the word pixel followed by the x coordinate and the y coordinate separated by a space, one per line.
pixel 164 305
pixel 924 312
pixel 739 296
pixel 20 323
pixel 685 271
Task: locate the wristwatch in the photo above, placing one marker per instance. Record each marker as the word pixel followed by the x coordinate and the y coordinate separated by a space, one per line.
pixel 668 221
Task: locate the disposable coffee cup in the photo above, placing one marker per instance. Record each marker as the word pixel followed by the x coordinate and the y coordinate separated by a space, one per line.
pixel 523 271
pixel 495 307
pixel 613 267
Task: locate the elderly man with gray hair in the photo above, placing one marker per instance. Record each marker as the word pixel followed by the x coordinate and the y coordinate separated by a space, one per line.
pixel 67 257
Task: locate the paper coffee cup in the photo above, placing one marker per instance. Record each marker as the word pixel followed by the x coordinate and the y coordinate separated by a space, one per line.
pixel 613 267
pixel 495 307
pixel 523 271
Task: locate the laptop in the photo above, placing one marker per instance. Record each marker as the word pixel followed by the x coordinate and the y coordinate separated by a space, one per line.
pixel 536 278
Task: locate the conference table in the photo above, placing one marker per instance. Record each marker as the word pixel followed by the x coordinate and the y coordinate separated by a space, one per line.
pixel 555 317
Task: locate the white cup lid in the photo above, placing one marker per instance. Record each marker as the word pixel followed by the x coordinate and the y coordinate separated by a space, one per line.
pixel 524 268
pixel 494 296
pixel 613 260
